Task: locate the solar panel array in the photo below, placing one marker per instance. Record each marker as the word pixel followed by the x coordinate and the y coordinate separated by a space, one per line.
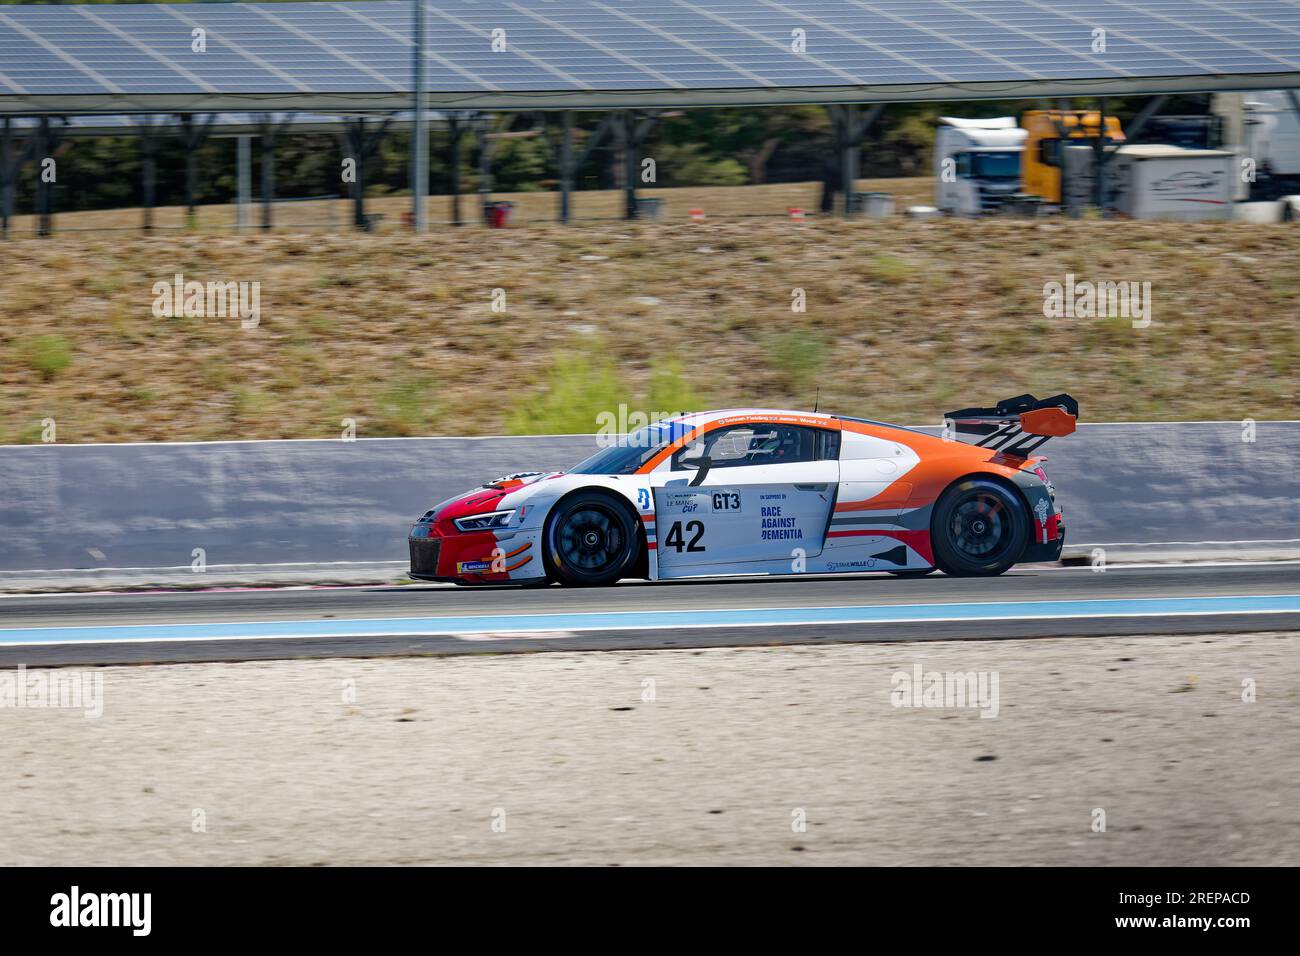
pixel 505 53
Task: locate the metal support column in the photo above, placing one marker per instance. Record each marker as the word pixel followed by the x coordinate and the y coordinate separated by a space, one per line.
pixel 848 129
pixel 268 176
pixel 566 164
pixel 44 199
pixel 191 177
pixel 830 169
pixel 456 130
pixel 636 128
pixel 360 143
pixel 849 163
pixel 419 132
pixel 268 131
pixel 8 173
pixel 193 136
pixel 1099 160
pixel 244 179
pixel 1065 106
pixel 630 164
pixel 481 130
pixel 145 130
pixel 354 136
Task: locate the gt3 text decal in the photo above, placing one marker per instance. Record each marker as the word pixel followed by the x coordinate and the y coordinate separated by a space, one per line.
pixel 726 500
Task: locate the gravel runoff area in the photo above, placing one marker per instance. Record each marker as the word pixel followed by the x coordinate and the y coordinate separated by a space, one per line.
pixel 772 755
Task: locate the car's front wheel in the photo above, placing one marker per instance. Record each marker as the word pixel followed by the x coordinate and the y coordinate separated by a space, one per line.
pixel 980 527
pixel 590 540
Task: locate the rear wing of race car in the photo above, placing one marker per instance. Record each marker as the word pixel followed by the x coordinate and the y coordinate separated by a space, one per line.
pixel 1015 426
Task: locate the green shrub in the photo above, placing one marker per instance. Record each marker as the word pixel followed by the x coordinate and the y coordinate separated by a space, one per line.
pixel 583 383
pixel 406 407
pixel 796 357
pixel 888 269
pixel 670 391
pixel 47 354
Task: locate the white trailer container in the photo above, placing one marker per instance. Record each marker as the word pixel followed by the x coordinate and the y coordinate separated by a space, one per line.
pixel 976 163
pixel 1169 182
pixel 1155 181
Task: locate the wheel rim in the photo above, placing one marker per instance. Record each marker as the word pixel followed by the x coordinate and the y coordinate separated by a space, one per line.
pixel 981 529
pixel 591 539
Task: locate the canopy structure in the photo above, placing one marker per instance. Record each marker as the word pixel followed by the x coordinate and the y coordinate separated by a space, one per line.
pixel 606 54
pixel 219 124
pixel 248 69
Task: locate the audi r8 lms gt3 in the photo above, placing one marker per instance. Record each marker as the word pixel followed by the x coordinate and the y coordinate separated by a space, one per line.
pixel 754 491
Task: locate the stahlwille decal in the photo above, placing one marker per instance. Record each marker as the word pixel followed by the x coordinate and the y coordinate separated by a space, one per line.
pixel 842 565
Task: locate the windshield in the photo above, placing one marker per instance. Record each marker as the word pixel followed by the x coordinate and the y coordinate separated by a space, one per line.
pixel 631 451
pixel 996 165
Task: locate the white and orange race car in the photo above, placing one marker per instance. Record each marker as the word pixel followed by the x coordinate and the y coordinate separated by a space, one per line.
pixel 755 491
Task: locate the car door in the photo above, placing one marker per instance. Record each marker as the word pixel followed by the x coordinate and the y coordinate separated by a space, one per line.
pixel 747 493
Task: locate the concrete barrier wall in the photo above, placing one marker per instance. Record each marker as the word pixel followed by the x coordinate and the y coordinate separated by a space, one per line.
pixel 1138 489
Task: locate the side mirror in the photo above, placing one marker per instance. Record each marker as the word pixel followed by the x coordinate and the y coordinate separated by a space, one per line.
pixel 703 464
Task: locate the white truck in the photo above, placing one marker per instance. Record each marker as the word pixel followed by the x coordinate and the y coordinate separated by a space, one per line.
pixel 1266 128
pixel 976 163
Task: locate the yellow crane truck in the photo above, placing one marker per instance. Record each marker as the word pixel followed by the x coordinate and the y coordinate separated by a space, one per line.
pixel 1041 163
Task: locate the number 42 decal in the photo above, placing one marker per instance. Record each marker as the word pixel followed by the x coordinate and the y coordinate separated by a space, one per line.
pixel 676 541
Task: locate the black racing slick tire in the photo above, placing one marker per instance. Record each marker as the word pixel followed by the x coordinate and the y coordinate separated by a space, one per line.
pixel 590 540
pixel 980 527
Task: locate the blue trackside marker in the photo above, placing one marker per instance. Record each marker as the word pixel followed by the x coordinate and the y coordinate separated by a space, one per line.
pixel 656 620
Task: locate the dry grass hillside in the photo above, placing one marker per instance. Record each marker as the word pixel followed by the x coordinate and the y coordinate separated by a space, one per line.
pixel 903 321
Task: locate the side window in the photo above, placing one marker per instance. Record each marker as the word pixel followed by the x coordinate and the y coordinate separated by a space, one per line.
pixel 757 445
pixel 963 165
pixel 1049 152
pixel 828 445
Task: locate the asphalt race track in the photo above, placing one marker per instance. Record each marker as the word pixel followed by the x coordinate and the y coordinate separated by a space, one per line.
pixel 221 625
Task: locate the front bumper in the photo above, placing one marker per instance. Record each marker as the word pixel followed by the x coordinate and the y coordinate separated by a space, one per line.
pixel 474 557
pixel 425 553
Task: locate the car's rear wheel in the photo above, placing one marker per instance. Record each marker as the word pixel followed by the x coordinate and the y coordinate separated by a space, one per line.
pixel 979 527
pixel 590 540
